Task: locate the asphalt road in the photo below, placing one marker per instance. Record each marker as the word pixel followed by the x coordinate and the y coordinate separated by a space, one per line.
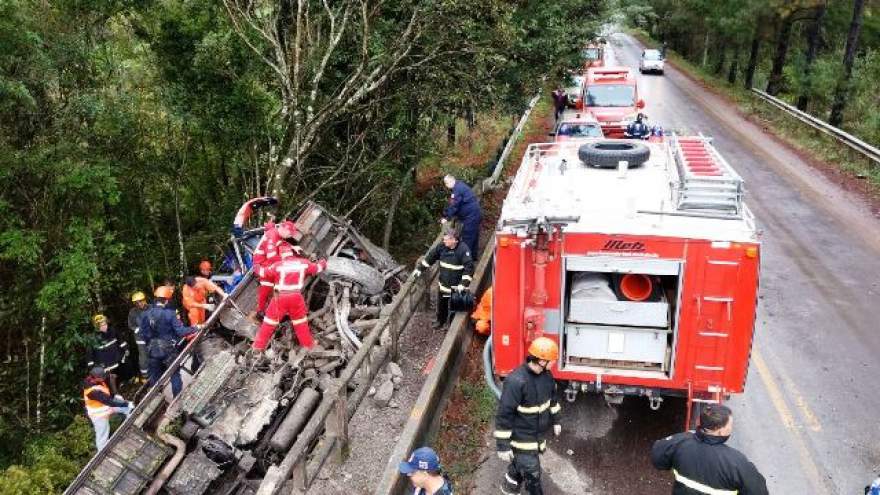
pixel 809 417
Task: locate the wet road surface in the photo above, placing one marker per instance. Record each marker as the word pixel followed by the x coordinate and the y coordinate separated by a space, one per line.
pixel 809 416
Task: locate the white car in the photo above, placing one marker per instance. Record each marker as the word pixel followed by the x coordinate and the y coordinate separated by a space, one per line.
pixel 651 61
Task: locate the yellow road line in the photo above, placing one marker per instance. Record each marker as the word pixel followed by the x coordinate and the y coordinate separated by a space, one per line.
pixel 809 466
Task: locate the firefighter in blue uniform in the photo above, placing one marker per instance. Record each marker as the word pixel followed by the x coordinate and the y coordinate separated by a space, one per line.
pixel 464 206
pixel 161 329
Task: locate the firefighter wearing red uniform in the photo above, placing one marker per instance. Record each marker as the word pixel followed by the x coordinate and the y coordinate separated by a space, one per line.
pixel 271 249
pixel 288 278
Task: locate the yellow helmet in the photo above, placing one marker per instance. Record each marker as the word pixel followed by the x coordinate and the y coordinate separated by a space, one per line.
pixel 138 296
pixel 544 348
pixel 99 319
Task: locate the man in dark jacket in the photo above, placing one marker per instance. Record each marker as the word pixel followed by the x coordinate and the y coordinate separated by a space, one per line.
pixel 456 271
pixel 161 329
pixel 108 352
pixel 702 464
pixel 139 299
pixel 424 472
pixel 527 409
pixel 464 205
pixel 560 102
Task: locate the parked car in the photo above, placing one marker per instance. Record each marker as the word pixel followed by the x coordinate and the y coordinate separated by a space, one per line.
pixel 581 126
pixel 651 61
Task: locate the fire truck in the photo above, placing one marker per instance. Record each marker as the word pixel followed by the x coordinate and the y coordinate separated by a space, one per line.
pixel 612 96
pixel 594 54
pixel 640 259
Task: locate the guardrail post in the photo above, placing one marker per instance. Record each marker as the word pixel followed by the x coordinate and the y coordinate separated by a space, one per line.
pixel 300 477
pixel 394 328
pixel 337 424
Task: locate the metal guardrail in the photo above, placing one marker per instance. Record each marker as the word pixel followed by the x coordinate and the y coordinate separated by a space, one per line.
pixel 492 180
pixel 844 137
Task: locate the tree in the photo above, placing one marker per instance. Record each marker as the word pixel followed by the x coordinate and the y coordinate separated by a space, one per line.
pixel 814 39
pixel 841 93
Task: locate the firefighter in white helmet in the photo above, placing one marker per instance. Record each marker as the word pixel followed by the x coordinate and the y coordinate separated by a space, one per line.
pixel 527 410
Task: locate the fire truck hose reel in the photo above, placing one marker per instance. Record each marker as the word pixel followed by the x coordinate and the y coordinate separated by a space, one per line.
pixel 607 154
pixel 487 369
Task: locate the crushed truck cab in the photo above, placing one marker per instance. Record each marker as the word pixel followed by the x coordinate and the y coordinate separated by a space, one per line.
pixel 646 276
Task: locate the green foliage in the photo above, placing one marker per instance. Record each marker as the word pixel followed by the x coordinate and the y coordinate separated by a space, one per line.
pixel 50 461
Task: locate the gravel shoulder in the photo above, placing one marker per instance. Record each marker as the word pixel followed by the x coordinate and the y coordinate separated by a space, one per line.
pixel 373 430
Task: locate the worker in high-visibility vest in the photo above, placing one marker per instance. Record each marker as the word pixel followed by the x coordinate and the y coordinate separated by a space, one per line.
pixel 482 316
pixel 702 463
pixel 101 405
pixel 527 410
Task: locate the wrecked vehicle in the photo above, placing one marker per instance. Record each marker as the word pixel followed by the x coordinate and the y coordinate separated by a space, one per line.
pixel 236 416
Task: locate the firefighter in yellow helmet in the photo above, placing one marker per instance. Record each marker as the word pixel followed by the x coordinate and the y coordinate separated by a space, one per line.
pixel 527 410
pixel 109 350
pixel 139 305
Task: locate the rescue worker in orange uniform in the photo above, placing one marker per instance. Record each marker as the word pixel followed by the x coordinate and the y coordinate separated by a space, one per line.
pixel 195 298
pixel 288 278
pixel 271 249
pixel 101 405
pixel 483 314
pixel 527 409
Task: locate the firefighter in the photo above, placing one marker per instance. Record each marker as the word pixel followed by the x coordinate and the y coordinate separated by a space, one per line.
pixel 424 472
pixel 101 404
pixel 161 329
pixel 527 409
pixel 288 277
pixel 463 205
pixel 272 248
pixel 108 352
pixel 482 316
pixel 638 129
pixel 701 463
pixel 456 271
pixel 560 102
pixel 195 298
pixel 139 299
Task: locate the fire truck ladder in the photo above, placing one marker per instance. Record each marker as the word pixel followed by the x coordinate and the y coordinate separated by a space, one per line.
pixel 707 183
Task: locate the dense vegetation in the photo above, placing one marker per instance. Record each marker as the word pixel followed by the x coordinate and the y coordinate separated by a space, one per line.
pixel 130 131
pixel 820 55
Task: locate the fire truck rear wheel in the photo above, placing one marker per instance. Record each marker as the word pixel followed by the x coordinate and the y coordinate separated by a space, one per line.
pixel 607 154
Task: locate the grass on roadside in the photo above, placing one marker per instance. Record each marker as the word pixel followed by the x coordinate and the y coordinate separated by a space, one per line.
pixel 460 439
pixel 808 141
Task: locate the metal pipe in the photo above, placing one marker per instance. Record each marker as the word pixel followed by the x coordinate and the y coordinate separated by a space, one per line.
pixel 487 368
pixel 171 465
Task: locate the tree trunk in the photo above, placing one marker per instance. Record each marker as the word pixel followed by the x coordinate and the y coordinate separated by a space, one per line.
pixel 450 133
pixel 734 66
pixel 814 38
pixel 392 208
pixel 42 373
pixel 774 83
pixel 753 59
pixel 705 50
pixel 27 383
pixel 719 65
pixel 841 93
pixel 179 233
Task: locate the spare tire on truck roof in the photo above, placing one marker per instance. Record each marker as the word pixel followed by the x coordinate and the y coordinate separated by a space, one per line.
pixel 606 154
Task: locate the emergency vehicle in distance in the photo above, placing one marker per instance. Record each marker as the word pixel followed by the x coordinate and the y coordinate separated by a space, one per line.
pixel 612 96
pixel 646 275
pixel 594 54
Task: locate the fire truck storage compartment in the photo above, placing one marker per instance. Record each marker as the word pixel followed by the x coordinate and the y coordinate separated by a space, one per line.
pixel 604 330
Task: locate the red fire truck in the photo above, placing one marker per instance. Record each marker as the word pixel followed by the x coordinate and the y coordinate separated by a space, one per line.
pixel 639 258
pixel 612 96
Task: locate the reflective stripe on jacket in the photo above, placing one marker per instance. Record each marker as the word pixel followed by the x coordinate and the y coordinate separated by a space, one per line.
pixel 703 464
pixel 290 274
pixel 527 409
pixel 456 265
